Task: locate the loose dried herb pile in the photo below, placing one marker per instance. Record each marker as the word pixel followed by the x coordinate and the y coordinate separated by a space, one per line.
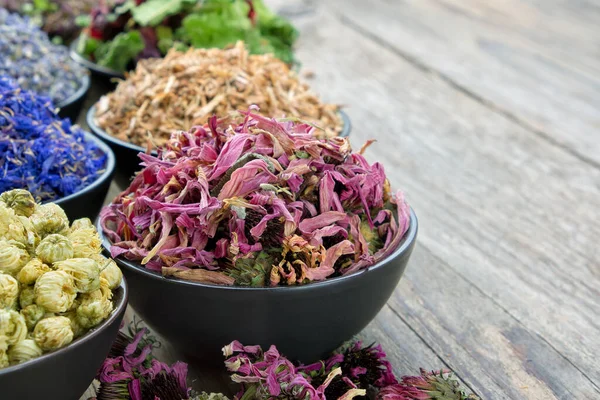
pixel 119 36
pixel 54 283
pixel 37 64
pixel 256 202
pixel 57 18
pixel 41 152
pixel 354 371
pixel 185 89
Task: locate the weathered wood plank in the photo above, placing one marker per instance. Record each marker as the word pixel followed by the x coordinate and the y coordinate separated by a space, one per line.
pixel 512 214
pixel 535 61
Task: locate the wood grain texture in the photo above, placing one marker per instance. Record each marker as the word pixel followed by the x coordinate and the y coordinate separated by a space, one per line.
pixel 537 62
pixel 503 287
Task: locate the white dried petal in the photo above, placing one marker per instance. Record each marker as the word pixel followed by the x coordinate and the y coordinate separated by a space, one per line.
pixel 55 291
pixel 13 256
pixel 54 248
pixel 53 333
pixel 82 223
pixel 86 242
pixel 32 271
pixel 85 273
pixel 48 219
pixel 20 201
pixel 23 351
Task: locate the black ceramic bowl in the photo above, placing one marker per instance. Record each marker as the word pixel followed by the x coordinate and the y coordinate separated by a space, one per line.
pixel 304 322
pixel 88 201
pixel 66 373
pixel 127 153
pixel 103 79
pixel 71 106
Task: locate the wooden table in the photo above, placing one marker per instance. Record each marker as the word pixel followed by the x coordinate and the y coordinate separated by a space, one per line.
pixel 486 113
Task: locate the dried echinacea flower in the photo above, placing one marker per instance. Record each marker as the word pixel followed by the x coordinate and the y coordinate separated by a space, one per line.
pixel 85 273
pixel 12 326
pixel 32 271
pixel 24 350
pixel 48 219
pixel 53 333
pixel 86 242
pixel 33 314
pixel 9 291
pixel 20 201
pixel 13 256
pixel 54 248
pixel 55 291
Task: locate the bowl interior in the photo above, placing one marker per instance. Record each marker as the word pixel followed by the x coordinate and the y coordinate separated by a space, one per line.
pixel 120 296
pixel 405 245
pixel 109 169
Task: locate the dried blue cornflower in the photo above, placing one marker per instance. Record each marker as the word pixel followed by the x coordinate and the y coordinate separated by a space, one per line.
pixel 34 61
pixel 41 152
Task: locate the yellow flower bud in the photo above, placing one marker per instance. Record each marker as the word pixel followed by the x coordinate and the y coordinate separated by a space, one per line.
pixel 55 291
pixel 82 223
pixel 76 327
pixel 109 271
pixel 23 351
pixel 13 256
pixel 86 242
pixel 20 201
pixel 48 219
pixel 32 271
pixel 3 353
pixel 12 326
pixel 9 291
pixel 53 248
pixel 85 273
pixel 27 296
pixel 53 333
pixel 91 313
pixel 32 315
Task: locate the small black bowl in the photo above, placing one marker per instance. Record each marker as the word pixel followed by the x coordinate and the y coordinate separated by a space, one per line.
pixel 304 322
pixel 103 79
pixel 127 153
pixel 66 373
pixel 71 106
pixel 88 201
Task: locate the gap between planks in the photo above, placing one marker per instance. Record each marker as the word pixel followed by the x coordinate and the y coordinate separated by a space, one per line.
pixel 346 21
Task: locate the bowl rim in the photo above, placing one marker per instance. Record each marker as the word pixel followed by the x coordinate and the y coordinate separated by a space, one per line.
pixel 406 244
pixel 84 86
pixel 109 72
pixel 106 175
pixel 96 130
pixel 92 333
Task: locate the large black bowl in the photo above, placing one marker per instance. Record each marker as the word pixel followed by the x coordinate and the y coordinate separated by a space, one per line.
pixel 66 373
pixel 305 322
pixel 88 201
pixel 104 79
pixel 71 106
pixel 126 153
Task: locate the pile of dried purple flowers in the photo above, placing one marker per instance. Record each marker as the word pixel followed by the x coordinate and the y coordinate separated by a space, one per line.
pixel 251 201
pixel 355 371
pixel 41 152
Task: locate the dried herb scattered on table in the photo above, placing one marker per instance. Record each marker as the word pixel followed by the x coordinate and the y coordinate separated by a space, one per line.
pixel 54 283
pixel 34 61
pixel 185 89
pixel 41 152
pixel 131 371
pixel 117 37
pixel 256 202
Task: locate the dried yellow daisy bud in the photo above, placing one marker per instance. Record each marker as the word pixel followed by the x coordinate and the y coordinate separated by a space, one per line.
pixel 91 312
pixel 82 223
pixel 12 326
pixel 13 256
pixel 9 291
pixel 53 248
pixel 85 273
pixel 109 271
pixel 32 271
pixel 23 351
pixel 53 333
pixel 11 227
pixel 33 314
pixel 4 362
pixel 20 201
pixel 49 218
pixel 86 242
pixel 76 327
pixel 27 296
pixel 55 291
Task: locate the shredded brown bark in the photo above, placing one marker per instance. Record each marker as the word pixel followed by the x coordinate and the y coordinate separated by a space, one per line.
pixel 186 88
